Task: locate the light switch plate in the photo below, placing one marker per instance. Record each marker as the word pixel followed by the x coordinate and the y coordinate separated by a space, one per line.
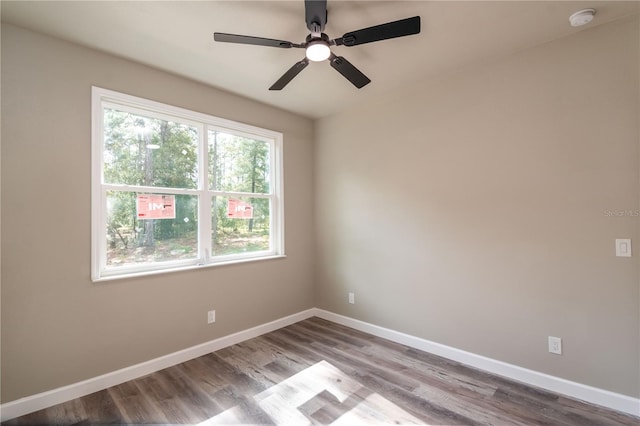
pixel 623 247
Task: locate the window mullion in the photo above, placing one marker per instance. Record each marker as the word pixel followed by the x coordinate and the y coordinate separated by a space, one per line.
pixel 204 228
pixel 150 189
pixel 241 194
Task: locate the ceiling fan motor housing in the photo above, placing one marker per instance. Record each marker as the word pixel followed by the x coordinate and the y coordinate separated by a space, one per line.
pixel 323 37
pixel 316 15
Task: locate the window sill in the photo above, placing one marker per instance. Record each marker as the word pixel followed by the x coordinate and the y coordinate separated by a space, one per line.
pixel 185 268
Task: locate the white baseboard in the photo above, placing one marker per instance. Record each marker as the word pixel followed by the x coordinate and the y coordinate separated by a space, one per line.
pixel 576 390
pixel 586 393
pixel 47 399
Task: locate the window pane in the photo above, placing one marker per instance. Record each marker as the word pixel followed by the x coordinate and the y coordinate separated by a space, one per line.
pixel 148 151
pixel 132 240
pixel 238 164
pixel 239 225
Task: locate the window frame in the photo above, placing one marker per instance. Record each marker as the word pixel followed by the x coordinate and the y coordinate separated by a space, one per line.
pixel 103 98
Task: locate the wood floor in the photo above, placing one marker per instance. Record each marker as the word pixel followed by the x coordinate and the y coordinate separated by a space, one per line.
pixel 318 372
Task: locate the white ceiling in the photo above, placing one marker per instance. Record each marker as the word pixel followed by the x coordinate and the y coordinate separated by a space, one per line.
pixel 177 36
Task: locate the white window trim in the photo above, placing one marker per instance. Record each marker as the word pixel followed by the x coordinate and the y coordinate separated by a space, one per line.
pixel 204 122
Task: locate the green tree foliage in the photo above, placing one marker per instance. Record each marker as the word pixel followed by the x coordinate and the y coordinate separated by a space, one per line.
pixel 150 152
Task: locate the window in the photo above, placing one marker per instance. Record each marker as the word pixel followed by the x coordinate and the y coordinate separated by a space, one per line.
pixel 175 189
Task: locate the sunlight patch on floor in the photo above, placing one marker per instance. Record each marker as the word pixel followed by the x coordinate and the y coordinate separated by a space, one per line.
pixel 317 394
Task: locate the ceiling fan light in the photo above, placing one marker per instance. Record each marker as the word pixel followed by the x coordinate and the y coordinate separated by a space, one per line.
pixel 318 51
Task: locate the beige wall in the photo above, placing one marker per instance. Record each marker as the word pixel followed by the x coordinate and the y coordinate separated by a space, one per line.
pixel 470 211
pixel 57 326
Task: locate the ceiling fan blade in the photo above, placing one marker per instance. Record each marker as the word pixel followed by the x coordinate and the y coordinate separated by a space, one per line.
pixel 315 15
pixel 349 72
pixel 257 41
pixel 290 74
pixel 401 28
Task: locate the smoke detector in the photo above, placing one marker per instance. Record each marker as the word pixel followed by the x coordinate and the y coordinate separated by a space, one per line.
pixel 582 17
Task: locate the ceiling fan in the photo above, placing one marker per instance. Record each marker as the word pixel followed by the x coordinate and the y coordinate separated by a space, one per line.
pixel 317 44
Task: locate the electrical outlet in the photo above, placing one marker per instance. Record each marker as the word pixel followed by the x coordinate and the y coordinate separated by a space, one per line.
pixel 352 298
pixel 555 345
pixel 211 317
